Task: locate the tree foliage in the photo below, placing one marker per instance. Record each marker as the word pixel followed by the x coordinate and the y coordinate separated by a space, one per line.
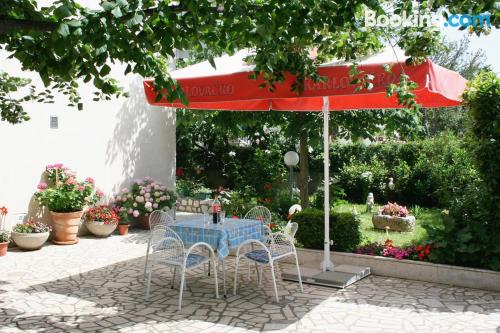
pixel 78 42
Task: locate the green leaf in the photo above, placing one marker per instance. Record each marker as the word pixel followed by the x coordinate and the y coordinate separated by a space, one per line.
pixel 108 5
pixel 105 70
pixel 128 69
pixel 134 20
pixel 63 29
pixel 62 11
pixel 117 12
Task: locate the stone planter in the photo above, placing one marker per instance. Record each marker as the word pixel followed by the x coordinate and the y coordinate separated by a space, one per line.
pixel 394 223
pixel 3 248
pixel 123 229
pixel 100 229
pixel 66 227
pixel 30 241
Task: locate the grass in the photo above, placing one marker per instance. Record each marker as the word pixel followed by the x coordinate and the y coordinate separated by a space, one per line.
pixel 369 234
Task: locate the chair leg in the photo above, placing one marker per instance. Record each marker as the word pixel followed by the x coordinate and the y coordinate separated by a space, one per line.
pixel 173 278
pixel 274 281
pixel 215 280
pixel 298 272
pixel 235 286
pixel 183 276
pixel 147 259
pixel 258 272
pixel 148 284
pixel 248 272
pixel 224 277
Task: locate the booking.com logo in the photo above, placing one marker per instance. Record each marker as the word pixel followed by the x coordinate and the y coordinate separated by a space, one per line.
pixel 417 19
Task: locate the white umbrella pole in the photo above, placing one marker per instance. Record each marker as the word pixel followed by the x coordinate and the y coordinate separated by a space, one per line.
pixel 327 264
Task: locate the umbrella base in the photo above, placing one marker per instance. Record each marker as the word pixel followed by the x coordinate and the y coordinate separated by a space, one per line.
pixel 341 277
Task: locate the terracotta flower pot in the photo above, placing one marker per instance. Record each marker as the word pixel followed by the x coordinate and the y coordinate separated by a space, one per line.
pixel 3 248
pixel 143 222
pixel 123 229
pixel 100 229
pixel 30 241
pixel 66 227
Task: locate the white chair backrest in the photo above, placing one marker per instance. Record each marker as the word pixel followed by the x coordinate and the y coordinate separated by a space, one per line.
pixel 260 213
pixel 159 217
pixel 291 229
pixel 280 244
pixel 167 243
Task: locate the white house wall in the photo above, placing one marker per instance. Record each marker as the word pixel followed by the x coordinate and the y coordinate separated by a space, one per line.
pixel 112 141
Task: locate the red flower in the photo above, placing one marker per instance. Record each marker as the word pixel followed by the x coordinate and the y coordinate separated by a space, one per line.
pixel 179 171
pixel 3 210
pixel 419 248
pixel 268 186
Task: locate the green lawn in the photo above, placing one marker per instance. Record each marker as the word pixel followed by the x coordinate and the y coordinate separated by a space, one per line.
pixel 369 234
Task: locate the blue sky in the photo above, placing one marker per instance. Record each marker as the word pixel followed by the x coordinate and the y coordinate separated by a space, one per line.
pixel 490 44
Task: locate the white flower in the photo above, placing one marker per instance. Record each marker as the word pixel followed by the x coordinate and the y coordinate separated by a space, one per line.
pixel 148 205
pixel 232 153
pixel 367 174
pixel 136 213
pixel 256 134
pixel 267 151
pixel 155 205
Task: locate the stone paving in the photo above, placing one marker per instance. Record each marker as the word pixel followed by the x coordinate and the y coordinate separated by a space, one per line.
pixel 97 286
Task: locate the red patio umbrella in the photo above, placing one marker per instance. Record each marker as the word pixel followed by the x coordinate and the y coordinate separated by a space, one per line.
pixel 229 87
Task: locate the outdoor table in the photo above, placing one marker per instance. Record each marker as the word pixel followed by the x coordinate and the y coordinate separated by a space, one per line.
pixel 221 236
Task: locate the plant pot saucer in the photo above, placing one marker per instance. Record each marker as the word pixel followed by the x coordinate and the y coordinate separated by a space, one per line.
pixel 66 242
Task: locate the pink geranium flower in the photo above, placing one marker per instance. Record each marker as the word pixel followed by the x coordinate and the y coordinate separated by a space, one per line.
pixel 90 180
pixel 42 186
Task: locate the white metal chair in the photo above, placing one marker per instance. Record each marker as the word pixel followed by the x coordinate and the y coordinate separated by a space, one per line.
pixel 262 214
pixel 277 247
pixel 291 229
pixel 168 249
pixel 156 218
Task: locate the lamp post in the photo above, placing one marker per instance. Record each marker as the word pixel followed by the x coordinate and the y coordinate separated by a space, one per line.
pixel 291 159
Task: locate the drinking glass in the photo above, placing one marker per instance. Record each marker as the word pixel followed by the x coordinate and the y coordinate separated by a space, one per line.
pixel 223 217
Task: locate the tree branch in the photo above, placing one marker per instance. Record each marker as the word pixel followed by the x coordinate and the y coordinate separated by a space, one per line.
pixel 8 24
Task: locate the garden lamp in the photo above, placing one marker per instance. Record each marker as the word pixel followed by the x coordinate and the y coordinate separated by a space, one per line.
pixel 291 160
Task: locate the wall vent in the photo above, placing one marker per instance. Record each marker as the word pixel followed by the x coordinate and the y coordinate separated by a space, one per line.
pixel 54 122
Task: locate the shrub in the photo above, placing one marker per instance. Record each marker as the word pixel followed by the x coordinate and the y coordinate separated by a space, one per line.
pixel 145 196
pixel 429 173
pixel 32 227
pixel 63 193
pixel 393 209
pixel 469 236
pixel 102 214
pixel 344 229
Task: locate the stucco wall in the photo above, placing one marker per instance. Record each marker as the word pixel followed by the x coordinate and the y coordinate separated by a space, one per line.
pixel 112 141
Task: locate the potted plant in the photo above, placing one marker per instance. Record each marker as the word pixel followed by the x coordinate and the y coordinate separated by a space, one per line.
pixel 30 235
pixel 145 196
pixel 123 227
pixel 65 197
pixel 101 220
pixel 4 242
pixel 393 217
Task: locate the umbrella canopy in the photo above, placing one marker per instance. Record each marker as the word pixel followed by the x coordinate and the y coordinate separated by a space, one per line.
pixel 228 87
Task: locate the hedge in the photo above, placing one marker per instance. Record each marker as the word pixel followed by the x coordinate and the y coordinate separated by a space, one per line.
pixel 344 229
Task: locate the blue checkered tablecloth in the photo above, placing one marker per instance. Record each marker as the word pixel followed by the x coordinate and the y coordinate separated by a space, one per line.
pixel 221 237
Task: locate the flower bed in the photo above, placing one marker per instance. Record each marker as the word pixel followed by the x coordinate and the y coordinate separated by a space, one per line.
pixel 418 252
